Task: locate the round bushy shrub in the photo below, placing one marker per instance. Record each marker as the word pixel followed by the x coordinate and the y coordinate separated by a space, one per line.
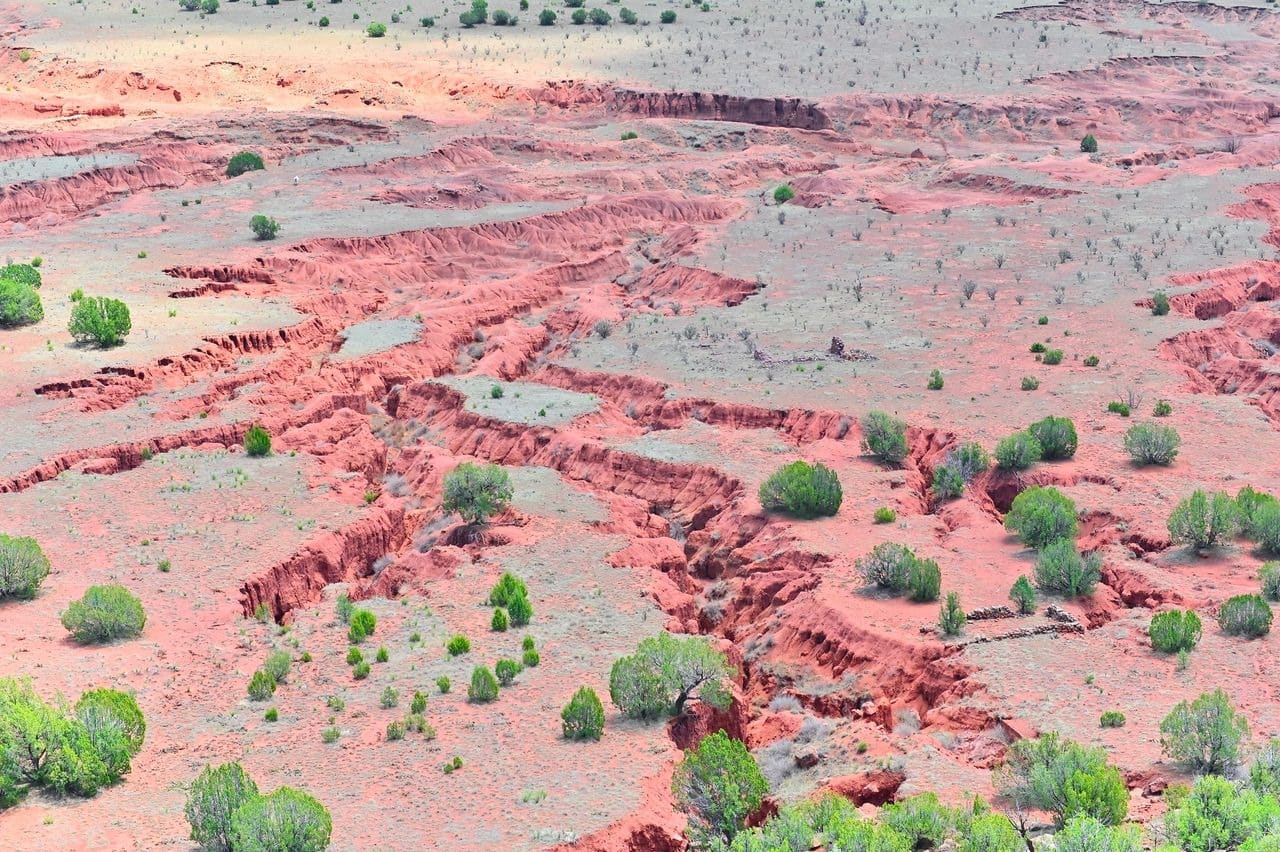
pixel 599 17
pixel 261 686
pixel 1245 615
pixel 506 670
pixel 667 17
pixel 418 704
pixel 499 621
pixel 484 686
pixel 264 227
pixel 719 784
pixel 100 320
pixel 1147 443
pixel 1018 451
pixel 1205 734
pixel 19 304
pixel 363 623
pixel 628 17
pixel 1248 505
pixel 1041 515
pixel 531 658
pixel 1089 144
pixel 1056 436
pixel 277 665
pixel 376 30
pixel 503 18
pixel 579 16
pixel 361 670
pixel 216 794
pixel 1269 574
pixel 287 819
pixel 583 716
pixel 951 619
pixel 508 588
pixel 257 441
pixel 924 581
pixel 23 567
pixel 520 611
pixel 1202 521
pixel 103 614
pixel 457 645
pixel 803 490
pixel 1111 719
pixel 1174 631
pixel 887 566
pixel 23 273
pixel 885 437
pixel 476 492
pixel 546 18
pixel 1061 569
pixel 968 460
pixel 1159 304
pixel 885 515
pixel 442 684
pixel 1023 594
pixel 1266 526
pixel 245 161
pixel 948 484
pixel 783 193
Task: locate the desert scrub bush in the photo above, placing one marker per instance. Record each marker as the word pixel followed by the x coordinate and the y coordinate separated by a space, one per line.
pixel 245 161
pixel 628 17
pixel 457 645
pixel 503 18
pixel 330 735
pixel 277 665
pixel 1091 361
pixel 1089 144
pixel 499 622
pixel 1111 719
pixel 23 273
pixel 884 515
pixel 921 820
pixel 100 320
pixel 476 492
pixel 363 623
pixel 19 304
pixel 257 443
pixel 1206 734
pixel 948 484
pixel 936 381
pixel 1083 833
pixel 968 460
pixel 802 490
pixel 1038 348
pixel 583 717
pixel 1159 303
pixel 361 670
pixel 261 686
pixel 546 18
pixel 1201 521
pixel 484 686
pixel 103 614
pixel 1147 443
pixel 667 17
pixel 442 684
pixel 354 656
pixel 1056 436
pixel 1268 574
pixel 1245 615
pixel 390 698
pixel 1052 357
pixel 272 715
pixel 23 567
pixel 418 704
pixel 1162 408
pixel 395 731
pixel 1175 630
pixel 885 437
pixel 665 673
pixel 1018 451
pixel 579 16
pixel 376 30
pixel 324 21
pixel 719 785
pixel 1063 778
pixel 951 618
pixel 924 581
pixel 887 566
pixel 599 17
pixel 1030 383
pixel 264 227
pixel 1249 504
pixel 1218 813
pixel 1042 514
pixel 343 608
pixel 383 655
pixel 783 193
pixel 1023 595
pixel 286 819
pixel 1062 570
pixel 530 658
pixel 214 795
pixel 506 671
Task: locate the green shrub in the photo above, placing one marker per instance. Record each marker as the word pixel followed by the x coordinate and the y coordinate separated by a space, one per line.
pixel 924 581
pixel 1205 734
pixel 476 492
pixel 1063 778
pixel 499 621
pixel 920 819
pixel 1083 833
pixel 1091 360
pixel 23 567
pixel 1202 521
pixel 390 698
pixel 1116 407
pixel 1265 526
pixel 520 611
pixel 1060 569
pixel 395 731
pixel 884 437
pixel 935 380
pixel 1053 357
pixel 261 686
pixel 1162 409
pixel 951 619
pixel 23 273
pixel 442 684
pixel 419 703
pixel 212 798
pixel 1269 574
pixel 887 566
pixel 104 613
pixel 375 30
pixel 484 686
pixel 968 460
pixel 579 16
pixel 1056 436
pixel 1245 615
pixel 1018 451
pixel 1174 631
pixel 361 670
pixel 719 785
pixel 456 645
pixel 245 161
pixel 665 673
pixel 264 227
pixel 503 18
pixel 272 715
pixel 1042 321
pixel 506 670
pixel 1111 719
pixel 531 658
pixel 885 515
pixel 1147 443
pixel 383 655
pixel 287 819
pixel 628 17
pixel 990 832
pixel 19 304
pixel 667 17
pixel 1248 505
pixel 100 320
pixel 354 656
pixel 417 723
pixel 343 608
pixel 1030 383
pixel 363 623
pixel 1219 814
pixel 583 716
pixel 783 193
pixel 526 644
pixel 257 442
pixel 277 665
pixel 324 21
pixel 330 734
pixel 948 484
pixel 1159 304
pixel 508 588
pixel 1040 515
pixel 802 490
pixel 546 18
pixel 1023 594
pixel 1089 144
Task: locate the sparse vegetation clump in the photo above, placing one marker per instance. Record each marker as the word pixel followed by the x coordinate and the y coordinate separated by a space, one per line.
pixel 23 567
pixel 257 442
pixel 885 437
pixel 1041 515
pixel 1205 734
pixel 101 321
pixel 1159 304
pixel 1019 451
pixel 245 161
pixel 484 686
pixel 884 515
pixel 1245 615
pixel 456 646
pixel 889 566
pixel 719 785
pixel 952 618
pixel 1202 521
pixel 363 623
pixel 667 672
pixel 376 30
pixel 264 227
pixel 1175 630
pixel 1062 570
pixel 583 716
pixel 783 193
pixel 1056 437
pixel 19 303
pixel 1065 779
pixel 103 614
pixel 476 492
pixel 1147 443
pixel 803 490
